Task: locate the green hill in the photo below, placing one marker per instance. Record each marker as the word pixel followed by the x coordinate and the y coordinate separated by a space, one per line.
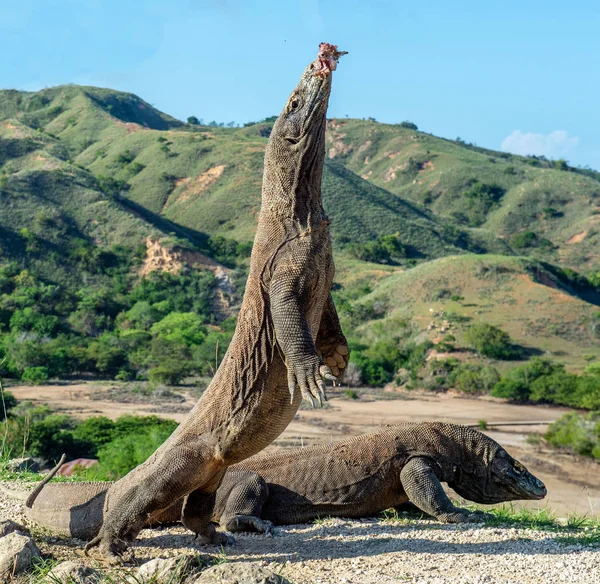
pixel 504 194
pixel 99 189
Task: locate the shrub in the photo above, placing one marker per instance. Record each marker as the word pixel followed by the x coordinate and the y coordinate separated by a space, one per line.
pixel 409 126
pixel 516 384
pixel 528 239
pixel 475 379
pixel 35 375
pixel 51 438
pixel 581 434
pixel 126 452
pixel 541 380
pixel 386 249
pixel 490 341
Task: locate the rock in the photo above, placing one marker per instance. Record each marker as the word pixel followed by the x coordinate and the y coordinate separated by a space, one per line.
pixel 73 573
pixel 17 553
pixel 8 526
pixel 22 464
pixel 239 573
pixel 166 571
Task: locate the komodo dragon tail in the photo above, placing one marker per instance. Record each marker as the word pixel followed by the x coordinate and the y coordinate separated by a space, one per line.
pixel 34 494
pixel 28 497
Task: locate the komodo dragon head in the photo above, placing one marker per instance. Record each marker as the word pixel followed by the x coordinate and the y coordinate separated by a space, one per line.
pixel 487 474
pixel 298 136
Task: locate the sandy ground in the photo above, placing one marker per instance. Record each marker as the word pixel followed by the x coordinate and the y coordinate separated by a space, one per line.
pixel 375 551
pixel 368 551
pixel 573 483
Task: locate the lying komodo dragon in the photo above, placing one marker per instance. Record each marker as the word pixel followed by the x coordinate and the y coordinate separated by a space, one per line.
pixel 357 477
pixel 287 331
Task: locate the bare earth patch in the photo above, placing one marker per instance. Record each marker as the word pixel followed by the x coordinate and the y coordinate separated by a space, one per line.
pixel 201 183
pixel 577 238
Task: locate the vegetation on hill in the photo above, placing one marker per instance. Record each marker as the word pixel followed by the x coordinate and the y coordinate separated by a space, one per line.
pixel 456 264
pixel 579 433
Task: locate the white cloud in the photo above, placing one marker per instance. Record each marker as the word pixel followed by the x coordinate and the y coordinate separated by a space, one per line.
pixel 556 144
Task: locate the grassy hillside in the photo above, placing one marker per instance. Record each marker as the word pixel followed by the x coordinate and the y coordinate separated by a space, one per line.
pixel 102 188
pixel 540 310
pixel 504 194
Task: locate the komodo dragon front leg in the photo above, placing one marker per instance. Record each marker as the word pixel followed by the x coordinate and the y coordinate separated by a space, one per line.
pixel 424 489
pixel 290 296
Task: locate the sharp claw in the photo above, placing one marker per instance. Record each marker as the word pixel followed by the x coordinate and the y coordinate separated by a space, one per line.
pixel 330 376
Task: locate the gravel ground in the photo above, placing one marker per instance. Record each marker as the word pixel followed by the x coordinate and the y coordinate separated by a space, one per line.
pixel 373 551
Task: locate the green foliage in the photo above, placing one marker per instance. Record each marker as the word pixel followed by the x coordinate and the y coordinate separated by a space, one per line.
pixel 409 126
pixel 541 380
pixel 136 438
pixel 475 379
pixel 480 198
pixel 120 445
pixel 7 403
pixel 490 341
pixel 35 375
pixel 184 328
pixel 52 436
pixel 379 362
pixel 386 249
pixel 528 239
pixel 579 433
pixel 228 251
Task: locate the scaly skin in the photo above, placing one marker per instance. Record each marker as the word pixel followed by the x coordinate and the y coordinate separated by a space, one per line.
pixel 358 477
pixel 365 475
pixel 274 353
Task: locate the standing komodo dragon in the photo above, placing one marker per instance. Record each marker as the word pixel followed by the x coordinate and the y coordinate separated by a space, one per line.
pixel 287 331
pixel 358 477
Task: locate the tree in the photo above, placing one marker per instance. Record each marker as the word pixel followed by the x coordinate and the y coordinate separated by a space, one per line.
pixel 409 126
pixel 490 341
pixel 193 120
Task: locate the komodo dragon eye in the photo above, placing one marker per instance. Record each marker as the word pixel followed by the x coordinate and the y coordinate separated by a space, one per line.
pixel 294 104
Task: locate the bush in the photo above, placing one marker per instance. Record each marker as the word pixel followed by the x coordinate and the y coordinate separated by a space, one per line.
pixel 490 341
pixel 527 239
pixel 541 380
pixel 126 452
pixel 35 375
pixel 51 438
pixel 516 384
pixel 581 434
pixel 409 126
pixel 475 379
pixel 386 249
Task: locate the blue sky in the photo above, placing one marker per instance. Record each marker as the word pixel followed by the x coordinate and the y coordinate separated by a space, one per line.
pixel 523 75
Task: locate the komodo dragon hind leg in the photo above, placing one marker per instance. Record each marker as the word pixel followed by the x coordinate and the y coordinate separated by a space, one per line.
pixel 197 513
pixel 189 463
pixel 244 503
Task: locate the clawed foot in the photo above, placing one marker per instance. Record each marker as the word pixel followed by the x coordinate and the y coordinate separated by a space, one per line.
pixel 211 536
pixel 249 523
pixel 115 552
pixel 310 378
pixel 337 360
pixel 467 517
